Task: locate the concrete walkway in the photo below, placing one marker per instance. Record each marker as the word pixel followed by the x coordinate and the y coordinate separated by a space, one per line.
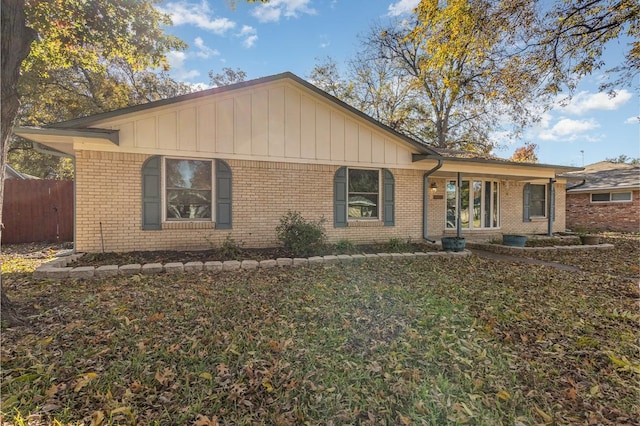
pixel 509 258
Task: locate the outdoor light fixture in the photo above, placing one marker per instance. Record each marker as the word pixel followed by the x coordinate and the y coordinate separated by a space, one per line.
pixel 434 187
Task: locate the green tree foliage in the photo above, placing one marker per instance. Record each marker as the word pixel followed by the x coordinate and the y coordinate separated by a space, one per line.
pixel 458 70
pixel 90 34
pixel 624 159
pixel 64 94
pixel 448 76
pixel 226 77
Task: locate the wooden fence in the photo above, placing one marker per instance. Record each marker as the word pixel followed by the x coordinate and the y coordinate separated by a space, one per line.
pixel 37 210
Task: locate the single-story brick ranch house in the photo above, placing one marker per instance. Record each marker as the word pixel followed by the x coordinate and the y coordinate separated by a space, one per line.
pixel 606 199
pixel 184 173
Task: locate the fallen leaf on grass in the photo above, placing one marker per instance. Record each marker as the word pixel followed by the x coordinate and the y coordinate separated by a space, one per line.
pixel 165 377
pixel 547 418
pixel 84 381
pixel 205 421
pixel 126 411
pixel 97 418
pixel 503 395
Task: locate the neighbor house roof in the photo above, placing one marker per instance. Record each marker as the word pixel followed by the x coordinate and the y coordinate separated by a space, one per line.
pixel 606 176
pixel 11 173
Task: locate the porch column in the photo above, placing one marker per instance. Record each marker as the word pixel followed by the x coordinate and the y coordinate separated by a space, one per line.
pixel 459 203
pixel 552 206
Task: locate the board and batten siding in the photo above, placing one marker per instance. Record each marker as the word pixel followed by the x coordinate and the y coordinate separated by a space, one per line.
pixel 273 122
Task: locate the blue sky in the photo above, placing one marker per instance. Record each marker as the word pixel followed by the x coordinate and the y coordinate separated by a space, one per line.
pixel 294 35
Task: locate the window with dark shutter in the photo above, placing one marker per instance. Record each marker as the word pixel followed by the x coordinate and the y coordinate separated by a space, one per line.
pixel 340 198
pixel 151 197
pixel 388 198
pixel 223 195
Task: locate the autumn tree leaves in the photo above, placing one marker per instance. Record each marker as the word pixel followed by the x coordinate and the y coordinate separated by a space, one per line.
pixel 455 71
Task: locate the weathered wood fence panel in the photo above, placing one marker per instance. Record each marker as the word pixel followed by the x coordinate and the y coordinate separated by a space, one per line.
pixel 37 210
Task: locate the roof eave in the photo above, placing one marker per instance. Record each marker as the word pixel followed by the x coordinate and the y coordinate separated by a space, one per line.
pixel 64 140
pixel 559 169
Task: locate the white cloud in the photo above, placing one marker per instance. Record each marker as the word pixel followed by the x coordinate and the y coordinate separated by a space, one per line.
pixel 585 102
pixel 402 7
pixel 176 62
pixel 183 13
pixel 204 51
pixel 275 9
pixel 249 34
pixel 250 41
pixel 632 120
pixel 567 129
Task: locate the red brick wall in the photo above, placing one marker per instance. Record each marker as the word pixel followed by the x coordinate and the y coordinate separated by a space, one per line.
pixel 582 214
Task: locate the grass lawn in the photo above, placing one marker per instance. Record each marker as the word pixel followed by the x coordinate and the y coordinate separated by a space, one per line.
pixel 435 341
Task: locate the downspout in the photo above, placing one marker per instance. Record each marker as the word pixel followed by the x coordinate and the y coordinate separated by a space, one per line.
pixel 425 197
pixel 552 206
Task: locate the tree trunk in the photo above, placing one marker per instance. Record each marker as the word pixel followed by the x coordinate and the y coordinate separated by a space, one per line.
pixel 16 42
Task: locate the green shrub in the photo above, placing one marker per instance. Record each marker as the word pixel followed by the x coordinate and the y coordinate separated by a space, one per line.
pixel 301 237
pixel 230 249
pixel 397 245
pixel 344 247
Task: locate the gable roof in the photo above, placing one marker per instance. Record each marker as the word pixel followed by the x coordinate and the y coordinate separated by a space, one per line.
pixel 60 136
pixel 605 176
pixel 85 122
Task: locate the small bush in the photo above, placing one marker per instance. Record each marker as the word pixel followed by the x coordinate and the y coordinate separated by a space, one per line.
pixel 344 247
pixel 301 237
pixel 230 249
pixel 397 245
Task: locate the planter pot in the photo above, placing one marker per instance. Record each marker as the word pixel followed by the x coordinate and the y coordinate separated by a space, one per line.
pixel 453 243
pixel 514 240
pixel 590 240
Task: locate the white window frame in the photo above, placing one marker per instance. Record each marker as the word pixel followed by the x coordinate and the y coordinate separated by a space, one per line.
pixel 379 201
pixel 495 204
pixel 611 200
pixel 165 219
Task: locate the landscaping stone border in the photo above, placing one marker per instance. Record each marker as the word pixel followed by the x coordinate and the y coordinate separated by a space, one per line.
pixel 515 251
pixel 57 269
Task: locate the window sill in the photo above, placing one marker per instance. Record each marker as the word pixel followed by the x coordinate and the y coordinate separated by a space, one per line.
pixel 364 223
pixel 188 225
pixel 538 219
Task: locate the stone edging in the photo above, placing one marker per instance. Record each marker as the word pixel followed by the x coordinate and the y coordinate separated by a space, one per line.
pixel 502 249
pixel 57 269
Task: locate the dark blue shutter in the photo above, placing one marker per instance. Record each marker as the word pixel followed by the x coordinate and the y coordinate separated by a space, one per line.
pixel 340 198
pixel 151 200
pixel 388 198
pixel 552 200
pixel 223 195
pixel 526 200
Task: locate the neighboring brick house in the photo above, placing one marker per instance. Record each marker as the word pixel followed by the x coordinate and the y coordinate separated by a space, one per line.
pixel 186 172
pixel 607 198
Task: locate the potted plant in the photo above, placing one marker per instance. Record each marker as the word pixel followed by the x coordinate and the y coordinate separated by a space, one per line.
pixel 513 240
pixel 453 243
pixel 590 239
